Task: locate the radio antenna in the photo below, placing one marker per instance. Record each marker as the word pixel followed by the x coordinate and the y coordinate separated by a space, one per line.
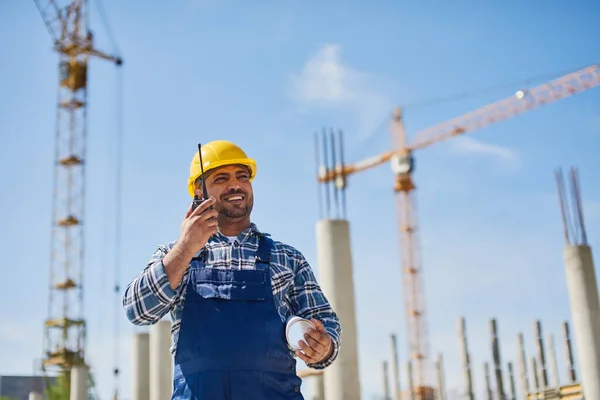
pixel 204 193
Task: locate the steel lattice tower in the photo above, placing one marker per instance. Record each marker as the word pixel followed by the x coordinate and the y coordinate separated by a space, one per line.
pixel 65 328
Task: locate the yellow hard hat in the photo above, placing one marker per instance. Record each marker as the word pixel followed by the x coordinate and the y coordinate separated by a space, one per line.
pixel 217 154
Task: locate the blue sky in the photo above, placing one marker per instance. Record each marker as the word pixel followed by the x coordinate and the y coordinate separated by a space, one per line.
pixel 267 77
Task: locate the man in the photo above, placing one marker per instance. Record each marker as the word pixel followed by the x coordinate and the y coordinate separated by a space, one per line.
pixel 229 289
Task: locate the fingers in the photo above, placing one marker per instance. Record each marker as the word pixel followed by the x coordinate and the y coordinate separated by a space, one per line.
pixel 317 343
pixel 189 210
pixel 213 224
pixel 315 346
pixel 320 339
pixel 319 325
pixel 210 214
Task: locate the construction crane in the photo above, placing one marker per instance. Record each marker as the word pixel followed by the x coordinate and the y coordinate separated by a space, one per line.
pixel 402 163
pixel 65 328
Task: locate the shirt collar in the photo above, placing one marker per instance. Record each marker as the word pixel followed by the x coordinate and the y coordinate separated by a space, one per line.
pixel 251 230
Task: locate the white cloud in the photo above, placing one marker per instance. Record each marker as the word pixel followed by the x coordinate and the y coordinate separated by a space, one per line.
pixel 324 79
pixel 326 82
pixel 469 146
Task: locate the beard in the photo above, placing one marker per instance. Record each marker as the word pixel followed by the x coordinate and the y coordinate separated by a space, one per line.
pixel 232 211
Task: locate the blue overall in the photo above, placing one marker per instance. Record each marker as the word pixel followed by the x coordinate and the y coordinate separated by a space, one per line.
pixel 231 342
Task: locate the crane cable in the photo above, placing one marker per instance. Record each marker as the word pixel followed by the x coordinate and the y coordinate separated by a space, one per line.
pixel 118 173
pixel 488 89
pixel 461 96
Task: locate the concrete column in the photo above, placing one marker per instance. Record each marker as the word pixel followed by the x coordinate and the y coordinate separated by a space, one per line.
pixel 585 311
pixel 79 376
pixel 35 396
pixel 541 357
pixel 497 361
pixel 161 361
pixel 386 383
pixel 395 369
pixel 409 375
pixel 488 384
pixel 319 387
pixel 511 380
pixel 553 362
pixel 523 366
pixel 572 376
pixel 466 362
pixel 140 360
pixel 336 279
pixel 441 387
pixel 535 375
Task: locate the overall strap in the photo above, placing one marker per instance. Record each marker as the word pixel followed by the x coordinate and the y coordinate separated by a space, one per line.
pixel 263 253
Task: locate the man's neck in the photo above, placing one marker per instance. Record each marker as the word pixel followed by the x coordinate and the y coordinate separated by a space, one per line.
pixel 233 228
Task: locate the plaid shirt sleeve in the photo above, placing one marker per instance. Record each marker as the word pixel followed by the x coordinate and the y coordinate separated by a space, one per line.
pixel 150 296
pixel 308 301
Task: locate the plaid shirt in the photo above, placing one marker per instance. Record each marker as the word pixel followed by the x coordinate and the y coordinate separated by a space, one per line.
pixel 295 289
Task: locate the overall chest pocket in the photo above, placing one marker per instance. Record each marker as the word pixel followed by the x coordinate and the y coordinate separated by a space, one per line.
pixel 244 285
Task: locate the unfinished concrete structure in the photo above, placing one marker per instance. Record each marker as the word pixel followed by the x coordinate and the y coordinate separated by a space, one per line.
pixel 319 387
pixel 582 286
pixel 524 377
pixel 387 392
pixel 535 375
pixel 334 259
pixel 497 362
pixel 317 383
pixel 441 385
pixel 511 381
pixel 409 379
pixel 488 383
pixel 395 368
pixel 140 365
pixel 79 380
pixel 386 380
pixel 468 393
pixel 161 361
pixel 541 356
pixel 585 309
pixel 572 376
pixel 553 362
pixel 530 375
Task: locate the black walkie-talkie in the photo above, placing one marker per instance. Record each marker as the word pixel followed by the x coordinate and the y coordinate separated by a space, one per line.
pixel 197 201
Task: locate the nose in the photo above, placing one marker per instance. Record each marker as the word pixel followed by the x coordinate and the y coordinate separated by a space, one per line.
pixel 234 185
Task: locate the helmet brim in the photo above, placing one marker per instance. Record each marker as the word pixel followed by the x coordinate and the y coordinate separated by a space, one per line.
pixel 247 162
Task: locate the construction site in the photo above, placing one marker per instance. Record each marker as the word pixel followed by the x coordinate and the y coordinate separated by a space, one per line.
pixel 481 288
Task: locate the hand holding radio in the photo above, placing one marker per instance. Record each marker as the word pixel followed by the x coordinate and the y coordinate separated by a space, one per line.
pixel 198 226
pixel 200 221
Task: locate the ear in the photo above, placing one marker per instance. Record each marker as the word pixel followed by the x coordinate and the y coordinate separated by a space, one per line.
pixel 198 189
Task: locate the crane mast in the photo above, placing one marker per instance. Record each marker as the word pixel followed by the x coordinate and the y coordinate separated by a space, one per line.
pixel 402 163
pixel 65 327
pixel 414 300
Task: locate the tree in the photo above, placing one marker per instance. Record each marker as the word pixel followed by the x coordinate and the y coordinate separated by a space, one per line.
pixel 59 390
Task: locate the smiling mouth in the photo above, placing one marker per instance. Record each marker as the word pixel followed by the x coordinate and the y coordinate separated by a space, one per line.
pixel 234 198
